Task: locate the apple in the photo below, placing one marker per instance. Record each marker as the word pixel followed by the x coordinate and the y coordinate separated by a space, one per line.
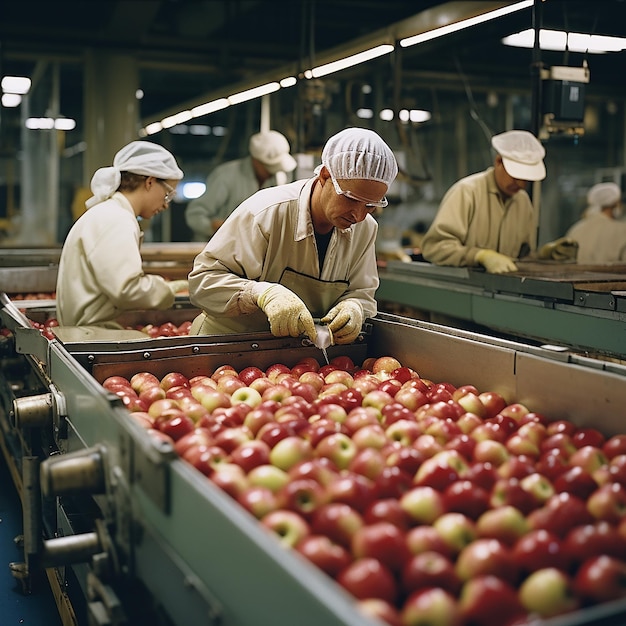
pixel 151 393
pixel 408 459
pixel 192 408
pixel 115 382
pixel 198 436
pixel 231 438
pixel 380 610
pixel 353 489
pixel 588 540
pixel 302 495
pixel 202 379
pixel 614 445
pixel 552 464
pixel 158 407
pixel 273 432
pixel 387 510
pixel 368 462
pixel 337 521
pixel 410 397
pixel 535 431
pixel 488 600
pixel 339 376
pixel 560 513
pixel 258 500
pixel 377 399
pixel 383 541
pixel 538 486
pixel 484 475
pixel 548 592
pixel 143 418
pixel 441 470
pixel 558 441
pixel 261 384
pixel 561 426
pixel 590 458
pixel 601 579
pixel 304 390
pixel 456 529
pixel 433 606
pixel 327 555
pixel 210 398
pixel 463 496
pixel 251 454
pixel 392 482
pixel 289 451
pixel 540 548
pixel 289 527
pixel 424 538
pixel 337 447
pixel 390 386
pixel 177 425
pixel 468 421
pixel 178 392
pixel 520 445
pixel 486 556
pixel 333 411
pixel 312 378
pixel 490 451
pixel 430 569
pixel 246 395
pixel 276 392
pixel 205 457
pixel 174 379
pixel 385 364
pixel 490 431
pixel 471 403
pixel 142 380
pixel 361 416
pixel 516 410
pixel 443 430
pixel 493 402
pixel 230 478
pixel 505 523
pixel 510 491
pixel 256 418
pixel 223 370
pixel 365 383
pixel 608 502
pixel 423 504
pixel 588 437
pixel 369 578
pixel 268 476
pixel 516 467
pixel 576 481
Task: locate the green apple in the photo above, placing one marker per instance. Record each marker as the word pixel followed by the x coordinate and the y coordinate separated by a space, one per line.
pixel 548 592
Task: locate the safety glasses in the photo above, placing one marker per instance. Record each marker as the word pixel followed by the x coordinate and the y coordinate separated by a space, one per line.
pixel 369 204
pixel 171 192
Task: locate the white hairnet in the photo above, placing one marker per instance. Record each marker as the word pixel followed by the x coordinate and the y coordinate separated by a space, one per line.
pixel 272 149
pixel 522 154
pixel 604 194
pixel 359 153
pixel 138 157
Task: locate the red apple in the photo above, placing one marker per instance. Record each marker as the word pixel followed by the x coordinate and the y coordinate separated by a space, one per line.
pixel 614 445
pixel 302 495
pixel 505 523
pixel 583 542
pixel 493 402
pixel 174 379
pixel 353 489
pixel 588 437
pixel 369 578
pixel 576 481
pixel 387 510
pixel 486 556
pixel 338 521
pixel 230 478
pixel 488 600
pixel 608 503
pixel 380 610
pixel 463 496
pixel 383 541
pixel 430 569
pixel 329 556
pixel 601 579
pixel 258 500
pixel 250 454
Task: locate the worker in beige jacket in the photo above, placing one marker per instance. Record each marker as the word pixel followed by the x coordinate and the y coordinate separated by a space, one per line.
pixel 487 219
pixel 100 271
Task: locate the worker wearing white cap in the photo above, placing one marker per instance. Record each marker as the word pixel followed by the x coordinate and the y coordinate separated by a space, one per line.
pixel 487 219
pixel 100 271
pixel 600 235
pixel 302 250
pixel 230 183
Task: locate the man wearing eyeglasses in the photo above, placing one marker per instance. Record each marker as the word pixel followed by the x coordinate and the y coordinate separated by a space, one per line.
pixel 300 251
pixel 100 271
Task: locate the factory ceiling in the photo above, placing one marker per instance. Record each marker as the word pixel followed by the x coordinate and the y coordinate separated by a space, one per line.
pixel 186 48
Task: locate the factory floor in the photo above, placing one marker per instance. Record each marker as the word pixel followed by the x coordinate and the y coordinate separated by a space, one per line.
pixel 38 608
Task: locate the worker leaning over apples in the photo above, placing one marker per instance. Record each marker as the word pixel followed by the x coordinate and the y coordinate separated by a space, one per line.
pixel 296 252
pixel 100 271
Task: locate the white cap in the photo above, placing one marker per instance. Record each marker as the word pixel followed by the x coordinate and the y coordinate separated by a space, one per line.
pixel 272 149
pixel 522 154
pixel 359 153
pixel 604 195
pixel 138 157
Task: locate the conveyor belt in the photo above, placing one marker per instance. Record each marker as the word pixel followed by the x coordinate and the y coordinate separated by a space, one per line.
pixel 583 307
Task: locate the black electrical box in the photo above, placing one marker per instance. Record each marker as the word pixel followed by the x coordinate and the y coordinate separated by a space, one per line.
pixel 564 94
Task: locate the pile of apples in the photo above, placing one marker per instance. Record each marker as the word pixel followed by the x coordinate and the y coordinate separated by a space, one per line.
pixel 46 327
pixel 167 329
pixel 433 505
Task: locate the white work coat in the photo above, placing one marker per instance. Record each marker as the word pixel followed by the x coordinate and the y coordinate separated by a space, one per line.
pixel 601 240
pixel 227 186
pixel 270 237
pixel 472 216
pixel 100 271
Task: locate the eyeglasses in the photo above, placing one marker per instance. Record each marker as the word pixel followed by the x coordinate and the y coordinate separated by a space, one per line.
pixel 369 204
pixel 171 192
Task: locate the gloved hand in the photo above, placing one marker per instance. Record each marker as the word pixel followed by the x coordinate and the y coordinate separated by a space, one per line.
pixel 562 249
pixel 286 312
pixel 345 320
pixel 494 262
pixel 179 285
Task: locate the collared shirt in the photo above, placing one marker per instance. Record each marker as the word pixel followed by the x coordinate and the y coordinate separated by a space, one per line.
pixel 265 235
pixel 473 216
pixel 601 240
pixel 227 186
pixel 100 271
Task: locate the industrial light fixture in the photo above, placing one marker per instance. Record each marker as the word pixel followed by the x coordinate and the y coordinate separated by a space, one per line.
pixel 16 84
pixel 472 21
pixel 255 92
pixel 49 123
pixel 11 100
pixel 561 41
pixel 349 61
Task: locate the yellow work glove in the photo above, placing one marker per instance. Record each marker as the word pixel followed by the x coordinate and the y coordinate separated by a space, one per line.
pixel 287 314
pixel 179 285
pixel 345 320
pixel 494 262
pixel 562 249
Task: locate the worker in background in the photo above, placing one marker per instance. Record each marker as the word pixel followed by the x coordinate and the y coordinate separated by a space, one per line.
pixel 229 184
pixel 600 235
pixel 100 271
pixel 487 219
pixel 308 249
